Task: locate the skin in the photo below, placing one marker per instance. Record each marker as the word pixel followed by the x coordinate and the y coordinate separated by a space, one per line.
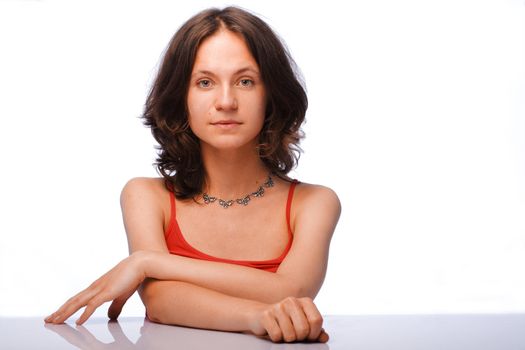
pixel 226 102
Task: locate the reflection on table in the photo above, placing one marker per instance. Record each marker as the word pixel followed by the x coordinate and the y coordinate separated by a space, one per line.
pixel 158 336
pixel 388 332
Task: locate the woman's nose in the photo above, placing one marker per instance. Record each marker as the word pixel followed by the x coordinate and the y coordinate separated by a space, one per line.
pixel 225 100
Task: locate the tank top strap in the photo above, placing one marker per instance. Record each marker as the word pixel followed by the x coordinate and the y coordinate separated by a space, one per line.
pixel 289 205
pixel 293 184
pixel 172 220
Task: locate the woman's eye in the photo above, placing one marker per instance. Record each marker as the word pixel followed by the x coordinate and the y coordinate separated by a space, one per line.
pixel 246 82
pixel 204 83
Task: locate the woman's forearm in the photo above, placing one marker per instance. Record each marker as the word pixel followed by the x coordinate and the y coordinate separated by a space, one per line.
pixel 235 280
pixel 185 304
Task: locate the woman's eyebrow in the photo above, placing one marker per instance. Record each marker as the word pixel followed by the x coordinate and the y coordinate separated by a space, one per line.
pixel 247 69
pixel 239 71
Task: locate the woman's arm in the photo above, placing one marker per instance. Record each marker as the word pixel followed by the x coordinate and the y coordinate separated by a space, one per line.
pixel 176 302
pixel 301 274
pixel 185 304
pixel 291 319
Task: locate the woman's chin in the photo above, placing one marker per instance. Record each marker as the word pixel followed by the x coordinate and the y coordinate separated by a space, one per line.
pixel 229 145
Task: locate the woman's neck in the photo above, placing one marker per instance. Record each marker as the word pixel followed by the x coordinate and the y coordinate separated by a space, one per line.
pixel 233 174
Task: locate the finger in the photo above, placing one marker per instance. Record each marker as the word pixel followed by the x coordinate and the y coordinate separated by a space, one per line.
pixel 91 306
pixel 116 306
pixel 74 306
pixel 323 337
pixel 272 327
pixel 285 324
pixel 298 318
pixel 71 306
pixel 49 318
pixel 315 320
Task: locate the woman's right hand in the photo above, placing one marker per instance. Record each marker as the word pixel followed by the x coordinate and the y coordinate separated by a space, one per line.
pixel 117 285
pixel 290 320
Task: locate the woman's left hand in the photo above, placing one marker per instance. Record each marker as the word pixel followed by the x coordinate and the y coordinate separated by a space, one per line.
pixel 117 285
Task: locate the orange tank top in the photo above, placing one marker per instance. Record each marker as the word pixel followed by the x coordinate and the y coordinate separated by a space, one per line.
pixel 179 246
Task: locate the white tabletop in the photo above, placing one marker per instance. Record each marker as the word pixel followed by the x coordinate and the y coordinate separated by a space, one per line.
pixel 428 332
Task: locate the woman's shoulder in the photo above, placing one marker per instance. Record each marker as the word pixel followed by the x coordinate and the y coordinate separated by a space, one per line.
pixel 313 197
pixel 140 184
pixel 308 191
pixel 315 211
pixel 147 189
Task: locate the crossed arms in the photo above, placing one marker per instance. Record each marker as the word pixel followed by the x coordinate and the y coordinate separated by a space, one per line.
pixel 214 295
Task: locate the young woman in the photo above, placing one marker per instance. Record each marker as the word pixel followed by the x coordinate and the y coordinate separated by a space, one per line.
pixel 224 240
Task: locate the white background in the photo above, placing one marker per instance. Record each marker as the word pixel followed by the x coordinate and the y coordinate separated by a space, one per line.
pixel 416 119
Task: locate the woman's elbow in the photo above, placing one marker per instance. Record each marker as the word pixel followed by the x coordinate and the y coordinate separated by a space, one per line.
pixel 148 292
pixel 306 292
pixel 295 290
pixel 302 289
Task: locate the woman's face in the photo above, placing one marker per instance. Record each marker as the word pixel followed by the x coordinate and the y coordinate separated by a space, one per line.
pixel 226 96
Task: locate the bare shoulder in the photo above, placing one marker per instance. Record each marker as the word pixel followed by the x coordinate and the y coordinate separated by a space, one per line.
pixel 144 184
pixel 309 195
pixel 145 210
pixel 144 189
pixel 316 203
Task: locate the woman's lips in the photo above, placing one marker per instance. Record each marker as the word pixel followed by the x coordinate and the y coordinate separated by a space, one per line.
pixel 226 124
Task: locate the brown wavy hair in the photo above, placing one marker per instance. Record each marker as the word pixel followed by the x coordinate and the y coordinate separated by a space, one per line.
pixel 179 158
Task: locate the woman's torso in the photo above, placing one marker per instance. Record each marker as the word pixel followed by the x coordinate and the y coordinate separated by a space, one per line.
pixel 257 235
